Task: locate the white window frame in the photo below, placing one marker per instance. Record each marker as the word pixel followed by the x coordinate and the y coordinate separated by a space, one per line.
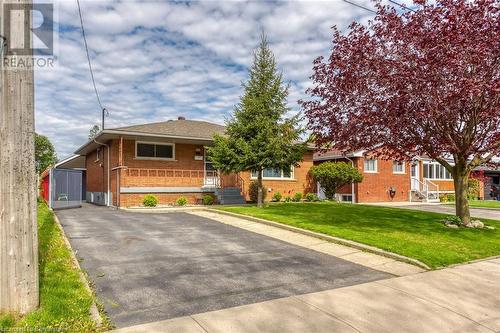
pixel 292 175
pixel 375 165
pixel 433 164
pixel 97 155
pixel 403 169
pixel 155 158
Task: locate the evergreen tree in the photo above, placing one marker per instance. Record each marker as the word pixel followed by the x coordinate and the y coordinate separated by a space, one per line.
pixel 258 135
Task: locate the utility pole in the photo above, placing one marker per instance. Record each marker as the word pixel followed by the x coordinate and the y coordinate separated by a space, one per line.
pixel 18 182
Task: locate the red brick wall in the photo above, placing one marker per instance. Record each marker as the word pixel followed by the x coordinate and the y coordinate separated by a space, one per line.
pixel 135 199
pixel 184 158
pixel 189 171
pixel 375 186
pixel 96 171
pixel 302 182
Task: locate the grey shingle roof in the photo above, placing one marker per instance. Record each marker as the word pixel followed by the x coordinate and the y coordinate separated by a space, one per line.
pixel 180 128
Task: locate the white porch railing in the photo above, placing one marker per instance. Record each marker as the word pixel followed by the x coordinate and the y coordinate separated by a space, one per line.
pixel 426 190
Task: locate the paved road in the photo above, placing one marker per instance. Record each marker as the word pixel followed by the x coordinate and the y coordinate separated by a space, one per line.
pixel 450 209
pixel 431 302
pixel 150 267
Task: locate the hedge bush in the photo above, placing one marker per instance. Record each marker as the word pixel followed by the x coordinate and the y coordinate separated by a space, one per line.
pixel 277 197
pixel 310 197
pixel 182 201
pixel 207 200
pixel 150 200
pixel 297 197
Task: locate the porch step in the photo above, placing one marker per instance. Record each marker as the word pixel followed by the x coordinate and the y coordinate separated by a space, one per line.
pixel 230 196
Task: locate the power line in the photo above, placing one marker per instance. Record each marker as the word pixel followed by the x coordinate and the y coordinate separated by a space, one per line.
pixel 401 5
pixel 103 109
pixel 360 6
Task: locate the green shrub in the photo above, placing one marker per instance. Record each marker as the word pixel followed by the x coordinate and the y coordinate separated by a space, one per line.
pixel 310 197
pixel 207 200
pixel 443 198
pixel 450 197
pixel 277 197
pixel 182 201
pixel 150 200
pixel 334 175
pixel 297 197
pixel 452 220
pixel 288 198
pixel 253 191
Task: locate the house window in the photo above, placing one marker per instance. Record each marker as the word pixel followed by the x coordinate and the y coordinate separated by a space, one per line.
pixel 346 198
pixel 155 150
pixel 370 165
pixel 98 155
pixel 434 170
pixel 274 173
pixel 398 167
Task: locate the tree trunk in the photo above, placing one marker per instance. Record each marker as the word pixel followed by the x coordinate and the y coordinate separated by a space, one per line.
pixel 18 181
pixel 259 189
pixel 461 182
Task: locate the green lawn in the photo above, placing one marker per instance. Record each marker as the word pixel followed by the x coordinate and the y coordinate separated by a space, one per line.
pixel 64 301
pixel 414 234
pixel 492 204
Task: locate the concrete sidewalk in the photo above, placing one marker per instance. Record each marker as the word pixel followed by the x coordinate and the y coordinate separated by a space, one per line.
pixel 459 299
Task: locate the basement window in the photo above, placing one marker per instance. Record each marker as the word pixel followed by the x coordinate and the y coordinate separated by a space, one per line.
pixel 164 151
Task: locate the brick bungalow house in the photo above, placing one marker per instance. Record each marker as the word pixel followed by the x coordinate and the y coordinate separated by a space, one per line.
pixel 386 180
pixel 168 159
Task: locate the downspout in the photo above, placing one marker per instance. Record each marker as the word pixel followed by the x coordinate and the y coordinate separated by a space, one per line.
pixel 107 164
pixel 118 172
pixel 353 198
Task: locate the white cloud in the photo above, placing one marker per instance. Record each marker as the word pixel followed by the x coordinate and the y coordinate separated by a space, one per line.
pixel 157 60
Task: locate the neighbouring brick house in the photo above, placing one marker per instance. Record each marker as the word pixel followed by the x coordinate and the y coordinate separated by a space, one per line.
pixel 386 180
pixel 168 159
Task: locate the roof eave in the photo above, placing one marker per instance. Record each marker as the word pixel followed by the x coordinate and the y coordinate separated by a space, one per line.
pixel 98 138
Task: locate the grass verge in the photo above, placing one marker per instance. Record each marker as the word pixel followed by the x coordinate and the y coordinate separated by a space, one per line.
pixel 490 204
pixel 414 234
pixel 64 300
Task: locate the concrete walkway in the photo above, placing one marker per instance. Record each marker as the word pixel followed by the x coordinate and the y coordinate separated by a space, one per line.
pixel 359 257
pixel 459 299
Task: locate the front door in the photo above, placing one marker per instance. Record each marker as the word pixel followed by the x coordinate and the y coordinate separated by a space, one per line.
pixel 415 176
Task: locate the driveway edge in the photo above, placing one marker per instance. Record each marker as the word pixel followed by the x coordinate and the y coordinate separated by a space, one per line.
pixel 346 242
pixel 94 311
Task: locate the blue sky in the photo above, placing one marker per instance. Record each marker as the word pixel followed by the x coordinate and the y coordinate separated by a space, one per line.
pixel 156 61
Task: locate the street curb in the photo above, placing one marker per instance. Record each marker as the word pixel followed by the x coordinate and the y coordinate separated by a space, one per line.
pixel 346 242
pixel 94 311
pixel 473 261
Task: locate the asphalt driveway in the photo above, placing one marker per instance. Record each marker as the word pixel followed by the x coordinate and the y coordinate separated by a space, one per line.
pixel 150 267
